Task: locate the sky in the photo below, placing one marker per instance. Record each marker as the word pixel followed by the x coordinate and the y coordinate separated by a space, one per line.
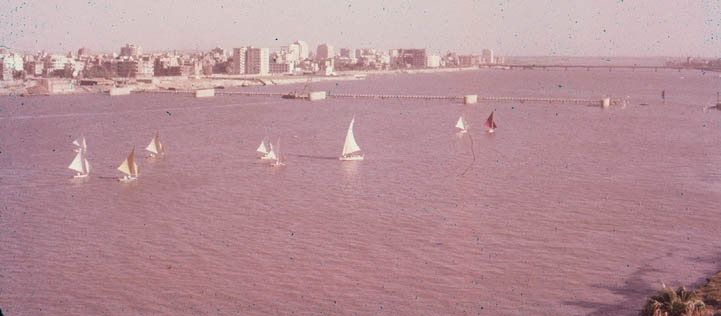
pixel 510 27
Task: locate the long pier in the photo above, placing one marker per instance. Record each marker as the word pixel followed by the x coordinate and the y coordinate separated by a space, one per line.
pixel 478 98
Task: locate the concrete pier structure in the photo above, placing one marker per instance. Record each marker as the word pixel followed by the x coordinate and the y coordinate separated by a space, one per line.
pixel 470 99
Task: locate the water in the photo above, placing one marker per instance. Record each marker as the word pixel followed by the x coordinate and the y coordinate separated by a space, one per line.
pixel 567 209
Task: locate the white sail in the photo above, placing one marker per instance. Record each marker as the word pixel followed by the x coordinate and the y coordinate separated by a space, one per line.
pixel 76 143
pixel 262 148
pixel 85 145
pixel 152 147
pixel 87 166
pixel 272 154
pixel 77 163
pixel 350 145
pixel 124 167
pixel 461 123
pixel 155 147
pixel 130 161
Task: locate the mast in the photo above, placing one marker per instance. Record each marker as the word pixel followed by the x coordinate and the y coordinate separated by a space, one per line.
pixel 272 153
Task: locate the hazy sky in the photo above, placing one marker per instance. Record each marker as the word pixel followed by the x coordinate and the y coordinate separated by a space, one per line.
pixel 512 27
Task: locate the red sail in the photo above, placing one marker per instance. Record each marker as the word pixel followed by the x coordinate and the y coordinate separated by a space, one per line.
pixel 490 123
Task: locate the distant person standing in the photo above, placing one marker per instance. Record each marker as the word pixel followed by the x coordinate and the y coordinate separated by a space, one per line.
pixel 663 95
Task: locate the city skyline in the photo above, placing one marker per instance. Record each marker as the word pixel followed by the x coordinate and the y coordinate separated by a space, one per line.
pixel 543 28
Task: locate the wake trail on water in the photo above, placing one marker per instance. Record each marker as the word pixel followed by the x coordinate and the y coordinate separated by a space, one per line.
pixel 473 152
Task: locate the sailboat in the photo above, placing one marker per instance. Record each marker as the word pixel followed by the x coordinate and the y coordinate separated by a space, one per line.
pixel 129 168
pixel 264 149
pixel 155 147
pixel 80 163
pixel 351 151
pixel 275 155
pixel 490 124
pixel 462 125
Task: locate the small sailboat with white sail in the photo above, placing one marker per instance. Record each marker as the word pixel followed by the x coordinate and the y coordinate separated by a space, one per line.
pixel 129 168
pixel 80 164
pixel 462 125
pixel 490 123
pixel 264 149
pixel 276 155
pixel 351 150
pixel 156 148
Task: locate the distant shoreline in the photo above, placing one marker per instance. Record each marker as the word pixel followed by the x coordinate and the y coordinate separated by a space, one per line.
pixel 38 86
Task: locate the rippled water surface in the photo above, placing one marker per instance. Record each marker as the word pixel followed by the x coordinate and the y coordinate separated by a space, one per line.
pixel 566 209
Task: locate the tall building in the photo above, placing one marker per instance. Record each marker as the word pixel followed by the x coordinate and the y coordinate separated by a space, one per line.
pixel 324 52
pixel 293 53
pixel 55 64
pixel 239 60
pixel 131 50
pixel 414 58
pixel 6 69
pixel 303 49
pixel 143 67
pixel 256 61
pixel 487 56
pixel 345 52
pixel 468 60
pixel 433 61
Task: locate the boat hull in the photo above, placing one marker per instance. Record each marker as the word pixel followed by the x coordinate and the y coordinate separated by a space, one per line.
pixel 80 176
pixel 351 158
pixel 127 179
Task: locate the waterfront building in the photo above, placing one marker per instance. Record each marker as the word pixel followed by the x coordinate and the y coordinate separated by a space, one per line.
pixel 303 50
pixel 324 52
pixel 280 68
pixel 145 67
pixel 487 56
pixel 142 67
pixel 433 61
pixel 468 60
pixel 256 61
pixel 239 60
pixel 55 65
pixel 410 58
pixel 166 66
pixel 293 53
pixel 125 68
pixel 34 68
pixel 131 50
pixel 6 69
